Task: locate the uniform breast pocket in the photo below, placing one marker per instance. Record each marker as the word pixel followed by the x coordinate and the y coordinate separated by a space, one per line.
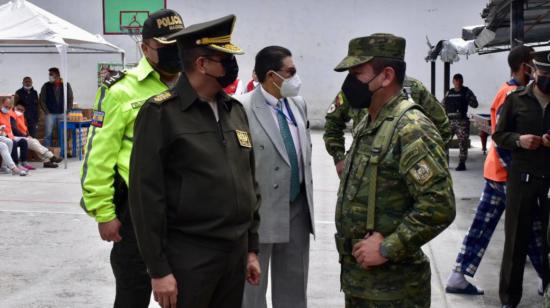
pixel 357 178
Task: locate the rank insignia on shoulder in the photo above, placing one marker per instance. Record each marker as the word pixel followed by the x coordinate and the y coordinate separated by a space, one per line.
pixel 97 119
pixel 114 78
pixel 162 97
pixel 422 172
pixel 244 139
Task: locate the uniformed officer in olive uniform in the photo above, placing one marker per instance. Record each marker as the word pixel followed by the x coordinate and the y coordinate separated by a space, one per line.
pixel 340 113
pixel 523 128
pixel 107 163
pixel 396 191
pixel 193 196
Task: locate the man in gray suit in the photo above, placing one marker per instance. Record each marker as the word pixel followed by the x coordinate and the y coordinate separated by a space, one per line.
pixel 282 148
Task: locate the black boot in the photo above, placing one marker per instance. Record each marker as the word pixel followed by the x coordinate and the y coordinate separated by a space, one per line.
pixel 461 166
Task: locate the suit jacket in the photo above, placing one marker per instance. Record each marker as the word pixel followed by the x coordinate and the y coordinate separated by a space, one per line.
pixel 273 165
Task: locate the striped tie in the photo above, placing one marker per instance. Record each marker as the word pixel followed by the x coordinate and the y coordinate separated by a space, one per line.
pixel 291 151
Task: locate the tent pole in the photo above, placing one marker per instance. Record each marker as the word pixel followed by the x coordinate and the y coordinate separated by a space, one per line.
pixel 64 70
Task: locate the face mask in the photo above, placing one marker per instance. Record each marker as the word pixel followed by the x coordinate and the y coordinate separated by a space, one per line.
pixel 543 83
pixel 358 93
pixel 18 113
pixel 231 72
pixel 52 78
pixel 27 87
pixel 169 59
pixel 291 86
pixel 5 110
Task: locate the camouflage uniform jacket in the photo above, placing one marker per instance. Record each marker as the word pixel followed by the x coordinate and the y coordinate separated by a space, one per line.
pixel 414 202
pixel 340 113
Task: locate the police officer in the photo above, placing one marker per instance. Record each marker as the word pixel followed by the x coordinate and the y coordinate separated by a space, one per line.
pixel 523 128
pixel 340 113
pixel 456 104
pixel 106 165
pixel 396 191
pixel 193 196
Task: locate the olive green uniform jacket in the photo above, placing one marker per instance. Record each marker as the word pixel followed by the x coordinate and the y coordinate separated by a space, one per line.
pixel 191 177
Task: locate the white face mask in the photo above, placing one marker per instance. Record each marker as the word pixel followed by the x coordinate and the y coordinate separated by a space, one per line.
pixel 290 86
pixel 52 78
pixel 27 88
pixel 18 113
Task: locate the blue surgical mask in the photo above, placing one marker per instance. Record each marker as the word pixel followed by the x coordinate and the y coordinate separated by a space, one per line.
pixel 5 110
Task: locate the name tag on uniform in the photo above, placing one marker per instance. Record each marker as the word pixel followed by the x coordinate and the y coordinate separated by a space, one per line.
pixel 97 119
pixel 244 139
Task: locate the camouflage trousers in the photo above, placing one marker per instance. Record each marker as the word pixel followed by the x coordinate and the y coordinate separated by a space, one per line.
pixel 461 128
pixel 421 301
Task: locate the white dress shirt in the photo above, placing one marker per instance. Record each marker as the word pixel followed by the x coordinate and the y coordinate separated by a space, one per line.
pixel 272 102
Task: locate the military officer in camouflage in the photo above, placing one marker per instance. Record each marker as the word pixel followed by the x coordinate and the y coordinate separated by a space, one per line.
pixel 340 113
pixel 396 191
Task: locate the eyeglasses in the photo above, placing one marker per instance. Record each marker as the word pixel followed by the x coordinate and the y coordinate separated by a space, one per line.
pixel 289 71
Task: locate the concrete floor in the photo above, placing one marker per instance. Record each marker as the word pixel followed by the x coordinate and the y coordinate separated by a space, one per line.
pixel 51 254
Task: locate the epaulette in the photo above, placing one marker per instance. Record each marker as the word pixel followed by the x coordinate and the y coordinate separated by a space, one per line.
pixel 518 89
pixel 109 82
pixel 162 97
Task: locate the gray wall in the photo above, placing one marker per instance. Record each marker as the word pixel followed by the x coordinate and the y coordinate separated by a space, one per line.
pixel 317 32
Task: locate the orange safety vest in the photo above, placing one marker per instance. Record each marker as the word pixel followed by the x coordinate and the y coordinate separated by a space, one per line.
pixel 493 169
pixel 5 120
pixel 21 122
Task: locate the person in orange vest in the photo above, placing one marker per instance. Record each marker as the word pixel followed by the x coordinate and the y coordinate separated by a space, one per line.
pixel 20 147
pixel 493 198
pixel 20 129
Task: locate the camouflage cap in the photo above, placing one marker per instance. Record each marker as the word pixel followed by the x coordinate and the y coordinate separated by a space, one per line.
pixel 379 45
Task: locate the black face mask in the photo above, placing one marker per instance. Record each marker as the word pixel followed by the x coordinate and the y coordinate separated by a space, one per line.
pixel 543 83
pixel 357 93
pixel 231 69
pixel 169 59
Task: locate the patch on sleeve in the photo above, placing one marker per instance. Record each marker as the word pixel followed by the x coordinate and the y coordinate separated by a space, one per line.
pixel 338 101
pixel 421 172
pixel 244 139
pixel 137 104
pixel 97 119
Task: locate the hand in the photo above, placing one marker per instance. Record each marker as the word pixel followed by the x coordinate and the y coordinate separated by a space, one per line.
pixel 530 142
pixel 253 272
pixel 367 251
pixel 109 230
pixel 340 167
pixel 546 140
pixel 165 291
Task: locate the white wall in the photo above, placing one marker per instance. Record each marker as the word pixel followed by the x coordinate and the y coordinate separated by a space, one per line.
pixel 316 31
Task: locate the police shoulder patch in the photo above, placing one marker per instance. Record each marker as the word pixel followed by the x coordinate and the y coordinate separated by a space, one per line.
pixel 109 82
pixel 162 97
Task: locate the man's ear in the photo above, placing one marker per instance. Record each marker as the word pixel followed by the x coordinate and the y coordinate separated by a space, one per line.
pixel 389 76
pixel 200 64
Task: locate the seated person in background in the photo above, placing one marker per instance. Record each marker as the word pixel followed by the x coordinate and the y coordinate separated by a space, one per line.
pixel 19 129
pixel 6 146
pixel 20 147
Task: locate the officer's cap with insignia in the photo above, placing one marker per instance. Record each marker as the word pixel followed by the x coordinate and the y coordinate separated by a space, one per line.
pixel 541 60
pixel 214 34
pixel 379 45
pixel 160 24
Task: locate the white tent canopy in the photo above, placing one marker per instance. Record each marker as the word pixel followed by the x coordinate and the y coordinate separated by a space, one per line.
pixel 25 28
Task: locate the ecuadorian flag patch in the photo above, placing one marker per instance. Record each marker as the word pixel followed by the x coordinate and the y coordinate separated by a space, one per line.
pixel 97 119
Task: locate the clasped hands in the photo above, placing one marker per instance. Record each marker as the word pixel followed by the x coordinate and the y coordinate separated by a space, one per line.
pixel 367 251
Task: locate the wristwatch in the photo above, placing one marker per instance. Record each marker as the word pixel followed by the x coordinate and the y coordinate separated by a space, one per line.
pixel 518 144
pixel 383 251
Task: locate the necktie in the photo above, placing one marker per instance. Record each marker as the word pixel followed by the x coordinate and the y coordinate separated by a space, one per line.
pixel 291 151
